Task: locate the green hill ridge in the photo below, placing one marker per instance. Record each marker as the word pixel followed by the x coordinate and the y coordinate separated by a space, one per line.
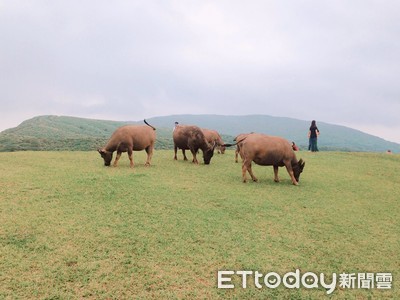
pixel 72 133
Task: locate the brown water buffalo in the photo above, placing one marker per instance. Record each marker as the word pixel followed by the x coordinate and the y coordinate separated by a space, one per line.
pixel 127 139
pixel 212 136
pixel 239 139
pixel 273 151
pixel 187 137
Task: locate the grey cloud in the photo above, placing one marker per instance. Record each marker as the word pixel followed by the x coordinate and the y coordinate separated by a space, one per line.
pixel 330 60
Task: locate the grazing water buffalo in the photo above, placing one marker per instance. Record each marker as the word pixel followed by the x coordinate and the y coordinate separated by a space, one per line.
pixel 239 139
pixel 212 136
pixel 192 138
pixel 273 151
pixel 127 139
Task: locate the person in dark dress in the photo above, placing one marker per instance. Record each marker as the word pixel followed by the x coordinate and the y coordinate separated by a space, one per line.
pixel 313 134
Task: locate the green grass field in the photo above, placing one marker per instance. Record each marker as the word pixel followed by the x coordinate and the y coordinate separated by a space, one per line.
pixel 71 228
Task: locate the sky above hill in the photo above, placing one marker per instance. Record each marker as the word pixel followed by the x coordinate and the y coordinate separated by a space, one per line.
pixel 332 61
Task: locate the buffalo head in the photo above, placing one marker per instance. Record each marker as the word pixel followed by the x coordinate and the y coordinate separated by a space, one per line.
pixel 106 155
pixel 208 153
pixel 298 168
pixel 222 149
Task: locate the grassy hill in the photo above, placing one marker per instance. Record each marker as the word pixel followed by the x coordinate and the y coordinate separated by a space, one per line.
pixel 70 133
pixel 66 133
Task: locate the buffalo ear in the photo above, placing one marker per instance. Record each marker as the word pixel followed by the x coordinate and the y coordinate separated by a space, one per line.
pixel 101 151
pixel 302 164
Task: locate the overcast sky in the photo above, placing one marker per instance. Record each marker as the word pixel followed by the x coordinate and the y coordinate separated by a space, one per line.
pixel 333 61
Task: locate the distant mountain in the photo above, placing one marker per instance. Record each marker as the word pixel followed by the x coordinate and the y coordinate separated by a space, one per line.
pixel 333 137
pixel 70 133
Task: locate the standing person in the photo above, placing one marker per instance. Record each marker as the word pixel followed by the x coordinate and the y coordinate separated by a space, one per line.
pixel 313 134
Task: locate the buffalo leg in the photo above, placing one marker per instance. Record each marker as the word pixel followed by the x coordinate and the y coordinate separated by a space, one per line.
pixel 149 151
pixel 184 154
pixel 194 152
pixel 290 171
pixel 130 155
pixel 244 169
pixel 247 167
pixel 117 158
pixel 251 173
pixel 276 169
pixel 175 150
